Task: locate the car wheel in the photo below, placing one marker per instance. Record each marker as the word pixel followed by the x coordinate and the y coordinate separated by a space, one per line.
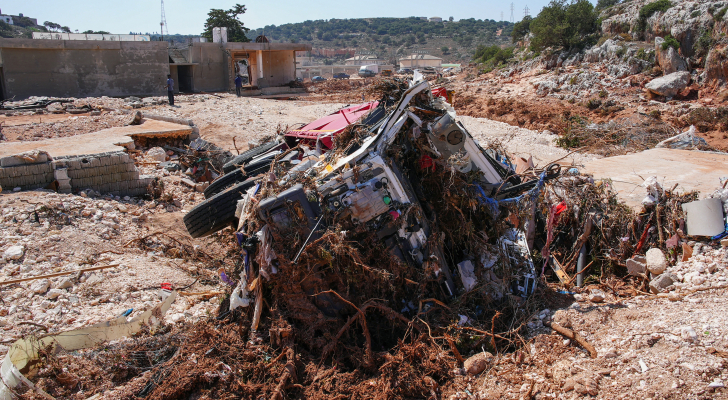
pixel 247 156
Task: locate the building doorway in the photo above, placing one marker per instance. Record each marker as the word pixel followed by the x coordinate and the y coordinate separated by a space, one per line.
pixel 184 76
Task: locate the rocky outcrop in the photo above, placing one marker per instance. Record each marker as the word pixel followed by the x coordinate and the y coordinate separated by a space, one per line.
pixel 669 85
pixel 668 59
pixel 686 21
pixel 716 65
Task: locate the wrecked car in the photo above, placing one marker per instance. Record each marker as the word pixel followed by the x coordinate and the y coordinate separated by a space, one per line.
pixel 390 177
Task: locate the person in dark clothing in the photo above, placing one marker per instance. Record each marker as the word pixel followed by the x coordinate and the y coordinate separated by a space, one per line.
pixel 170 89
pixel 238 85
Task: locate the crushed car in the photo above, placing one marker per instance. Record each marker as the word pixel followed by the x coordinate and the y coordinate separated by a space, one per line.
pixel 389 171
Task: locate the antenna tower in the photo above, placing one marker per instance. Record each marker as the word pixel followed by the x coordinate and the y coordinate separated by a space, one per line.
pixel 512 17
pixel 163 24
pixel 501 16
pixel 526 12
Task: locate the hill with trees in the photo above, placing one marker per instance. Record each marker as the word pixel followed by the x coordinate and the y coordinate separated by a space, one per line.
pixel 455 41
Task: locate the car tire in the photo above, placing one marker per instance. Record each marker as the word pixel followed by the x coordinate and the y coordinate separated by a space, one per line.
pixel 247 156
pixel 236 176
pixel 219 184
pixel 217 212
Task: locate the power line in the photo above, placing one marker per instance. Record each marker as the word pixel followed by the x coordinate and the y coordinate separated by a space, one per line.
pixel 163 24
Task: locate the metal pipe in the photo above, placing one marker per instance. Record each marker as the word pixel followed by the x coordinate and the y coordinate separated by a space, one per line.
pixel 580 264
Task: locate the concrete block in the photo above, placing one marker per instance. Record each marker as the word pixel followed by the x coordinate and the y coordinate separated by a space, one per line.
pixel 124 158
pixel 3 173
pixel 9 162
pixel 74 164
pixel 97 180
pixel 105 160
pixel 61 174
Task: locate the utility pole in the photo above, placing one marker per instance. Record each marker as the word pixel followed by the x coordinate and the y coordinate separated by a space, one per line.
pixel 526 12
pixel 163 24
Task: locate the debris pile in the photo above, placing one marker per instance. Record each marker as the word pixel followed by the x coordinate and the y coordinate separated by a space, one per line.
pixel 395 258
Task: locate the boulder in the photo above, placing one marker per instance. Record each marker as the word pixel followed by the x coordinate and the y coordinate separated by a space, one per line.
pixel 669 60
pixel 157 154
pixel 669 85
pixel 656 262
pixel 54 293
pixel 716 64
pixel 477 363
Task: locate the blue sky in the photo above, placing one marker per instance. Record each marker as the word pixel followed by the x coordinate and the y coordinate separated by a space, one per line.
pixel 188 16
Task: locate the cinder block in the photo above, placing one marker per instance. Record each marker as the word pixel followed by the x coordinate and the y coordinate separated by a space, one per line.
pixel 124 158
pixel 9 162
pixel 104 161
pixel 61 174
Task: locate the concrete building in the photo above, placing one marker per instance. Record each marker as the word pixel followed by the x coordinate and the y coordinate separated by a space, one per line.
pixel 420 61
pixel 435 19
pixel 91 36
pixel 83 68
pixel 7 19
pixel 365 60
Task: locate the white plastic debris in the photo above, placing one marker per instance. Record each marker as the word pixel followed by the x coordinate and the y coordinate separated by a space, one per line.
pixel 654 190
pixel 467 274
pixel 239 296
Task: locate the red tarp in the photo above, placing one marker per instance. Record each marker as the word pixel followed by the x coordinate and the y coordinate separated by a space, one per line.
pixel 441 92
pixel 331 124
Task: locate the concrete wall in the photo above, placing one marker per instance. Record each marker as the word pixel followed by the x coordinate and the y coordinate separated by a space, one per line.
pixel 213 63
pixel 209 73
pixel 81 68
pixel 112 172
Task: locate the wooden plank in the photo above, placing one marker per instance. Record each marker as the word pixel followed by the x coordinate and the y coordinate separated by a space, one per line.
pixel 32 278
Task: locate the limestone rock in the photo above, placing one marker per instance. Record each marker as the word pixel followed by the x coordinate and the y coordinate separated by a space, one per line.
pixel 656 262
pixel 54 293
pixel 597 296
pixel 14 252
pixel 157 154
pixel 669 60
pixel 636 265
pixel 477 363
pixel 716 64
pixel 40 286
pixel 65 284
pixel 659 284
pixel 669 85
pixel 135 118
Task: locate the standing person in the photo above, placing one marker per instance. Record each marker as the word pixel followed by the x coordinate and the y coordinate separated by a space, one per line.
pixel 238 85
pixel 170 89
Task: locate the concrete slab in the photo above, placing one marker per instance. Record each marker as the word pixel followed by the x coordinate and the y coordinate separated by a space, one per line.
pixel 107 140
pixel 691 170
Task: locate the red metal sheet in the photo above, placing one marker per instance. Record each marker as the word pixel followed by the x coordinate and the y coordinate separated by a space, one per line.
pixel 332 124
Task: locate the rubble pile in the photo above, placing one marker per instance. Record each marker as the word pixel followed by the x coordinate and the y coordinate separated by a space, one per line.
pixel 56 233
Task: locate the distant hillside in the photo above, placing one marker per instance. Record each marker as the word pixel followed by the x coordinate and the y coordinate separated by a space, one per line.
pixel 388 37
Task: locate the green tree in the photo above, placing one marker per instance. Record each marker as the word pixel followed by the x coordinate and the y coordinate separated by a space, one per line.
pixel 52 26
pixel 65 29
pixel 25 22
pixel 521 29
pixel 444 49
pixel 564 25
pixel 227 19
